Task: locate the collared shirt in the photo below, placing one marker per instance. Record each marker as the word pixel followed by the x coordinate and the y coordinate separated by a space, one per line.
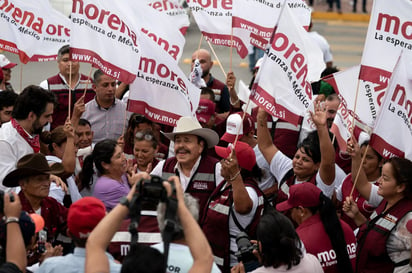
pixel 73 263
pixel 106 123
pixel 12 147
pixel 184 180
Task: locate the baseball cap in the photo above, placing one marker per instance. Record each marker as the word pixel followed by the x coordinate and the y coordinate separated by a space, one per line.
pixel 233 122
pixel 205 110
pixel 303 194
pixel 5 63
pixel 244 153
pixel 84 215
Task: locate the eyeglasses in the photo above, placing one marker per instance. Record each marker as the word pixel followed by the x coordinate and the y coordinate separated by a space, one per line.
pixel 144 136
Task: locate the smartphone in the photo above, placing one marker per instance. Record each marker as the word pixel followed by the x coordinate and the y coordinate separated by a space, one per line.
pixel 41 242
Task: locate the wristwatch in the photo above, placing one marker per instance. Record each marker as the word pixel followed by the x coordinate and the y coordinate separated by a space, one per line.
pixel 12 220
pixel 124 202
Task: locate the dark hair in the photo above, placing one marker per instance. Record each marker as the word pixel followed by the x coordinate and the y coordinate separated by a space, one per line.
pixel 63 50
pixel 57 135
pixel 84 122
pixel 378 155
pixel 402 171
pixel 7 98
pixel 97 75
pixel 134 121
pixel 311 146
pixel 279 240
pixel 255 174
pixel 205 146
pixel 143 259
pixel 102 152
pixel 207 91
pixel 333 228
pixel 32 99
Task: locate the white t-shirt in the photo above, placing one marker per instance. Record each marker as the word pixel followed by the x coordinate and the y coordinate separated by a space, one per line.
pixel 281 164
pixel 323 44
pixel 308 263
pixel 244 220
pixel 267 180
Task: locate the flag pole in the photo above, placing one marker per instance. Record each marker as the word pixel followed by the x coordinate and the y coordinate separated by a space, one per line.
pixel 357 174
pixel 218 61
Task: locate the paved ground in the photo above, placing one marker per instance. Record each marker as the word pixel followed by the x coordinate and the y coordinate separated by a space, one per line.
pixel 345 32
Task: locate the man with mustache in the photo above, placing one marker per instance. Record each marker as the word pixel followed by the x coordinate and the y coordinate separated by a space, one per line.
pixel 32 111
pixel 199 173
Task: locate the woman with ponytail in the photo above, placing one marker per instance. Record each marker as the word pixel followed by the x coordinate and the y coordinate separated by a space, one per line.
pixel 279 247
pixel 331 240
pixel 115 174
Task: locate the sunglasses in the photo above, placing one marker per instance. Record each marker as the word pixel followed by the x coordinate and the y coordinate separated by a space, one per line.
pixel 144 136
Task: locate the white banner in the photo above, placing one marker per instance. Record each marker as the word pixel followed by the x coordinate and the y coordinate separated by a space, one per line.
pixel 32 29
pixel 214 19
pixel 158 26
pixel 363 102
pixel 392 135
pixel 389 32
pixel 282 86
pixel 254 21
pixel 103 35
pixel 161 91
pixel 174 9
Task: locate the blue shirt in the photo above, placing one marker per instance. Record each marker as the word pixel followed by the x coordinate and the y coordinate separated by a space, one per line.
pixel 73 263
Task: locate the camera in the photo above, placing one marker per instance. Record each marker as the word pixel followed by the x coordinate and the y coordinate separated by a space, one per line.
pixel 152 189
pixel 245 249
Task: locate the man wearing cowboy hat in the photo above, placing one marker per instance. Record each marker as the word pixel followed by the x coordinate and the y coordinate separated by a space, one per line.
pixel 33 176
pixel 199 173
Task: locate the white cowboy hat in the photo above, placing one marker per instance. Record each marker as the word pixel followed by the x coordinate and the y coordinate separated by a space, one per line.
pixel 190 126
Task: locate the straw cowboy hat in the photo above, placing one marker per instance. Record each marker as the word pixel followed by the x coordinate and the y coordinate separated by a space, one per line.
pixel 190 126
pixel 31 165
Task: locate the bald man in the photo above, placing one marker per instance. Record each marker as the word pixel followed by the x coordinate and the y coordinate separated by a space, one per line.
pixel 220 89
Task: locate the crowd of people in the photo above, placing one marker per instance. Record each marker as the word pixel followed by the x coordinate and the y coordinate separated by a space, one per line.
pixel 104 190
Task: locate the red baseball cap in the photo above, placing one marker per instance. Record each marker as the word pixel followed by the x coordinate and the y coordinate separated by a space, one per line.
pixel 245 155
pixel 205 110
pixel 234 121
pixel 84 215
pixel 5 63
pixel 303 194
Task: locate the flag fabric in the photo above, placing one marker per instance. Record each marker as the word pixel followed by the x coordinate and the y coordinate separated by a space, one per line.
pixel 295 60
pixel 392 134
pixel 214 19
pixel 32 29
pixel 388 34
pixel 157 25
pixel 161 90
pixel 174 9
pixel 103 35
pixel 254 21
